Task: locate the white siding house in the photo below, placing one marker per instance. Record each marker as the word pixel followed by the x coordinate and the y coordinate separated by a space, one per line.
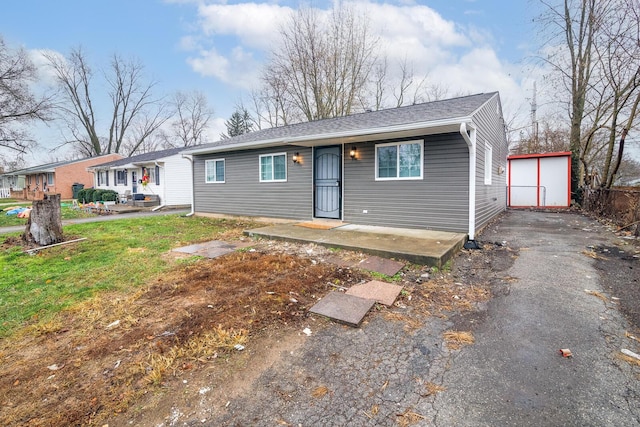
pixel 165 174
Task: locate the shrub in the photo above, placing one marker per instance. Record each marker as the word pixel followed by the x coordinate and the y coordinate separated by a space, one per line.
pixel 88 195
pixel 81 195
pixel 109 196
pixel 97 195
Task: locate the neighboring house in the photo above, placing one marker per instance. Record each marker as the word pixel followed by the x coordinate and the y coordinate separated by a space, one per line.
pixel 10 183
pixel 438 165
pixel 167 172
pixel 539 180
pixel 57 177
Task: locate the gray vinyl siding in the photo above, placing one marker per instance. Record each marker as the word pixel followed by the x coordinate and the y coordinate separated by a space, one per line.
pixel 491 200
pixel 439 201
pixel 243 194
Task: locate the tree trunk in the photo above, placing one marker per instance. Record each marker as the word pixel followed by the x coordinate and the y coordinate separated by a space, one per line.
pixel 45 222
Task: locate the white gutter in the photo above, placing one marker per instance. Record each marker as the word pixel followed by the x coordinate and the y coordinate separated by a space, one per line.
pixel 193 189
pixel 328 136
pixel 470 139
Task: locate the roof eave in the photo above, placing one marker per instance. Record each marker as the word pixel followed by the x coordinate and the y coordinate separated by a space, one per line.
pixel 360 135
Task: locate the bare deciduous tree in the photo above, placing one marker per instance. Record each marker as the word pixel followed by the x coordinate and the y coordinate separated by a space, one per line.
pixel 597 62
pixel 548 139
pixel 133 104
pixel 322 66
pixel 18 105
pixel 191 116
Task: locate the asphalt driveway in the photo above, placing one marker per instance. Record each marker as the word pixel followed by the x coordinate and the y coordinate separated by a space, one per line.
pixel 514 375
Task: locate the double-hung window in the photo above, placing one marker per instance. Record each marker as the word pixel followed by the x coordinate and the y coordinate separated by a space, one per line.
pixel 399 160
pixel 121 177
pixel 214 170
pixel 273 167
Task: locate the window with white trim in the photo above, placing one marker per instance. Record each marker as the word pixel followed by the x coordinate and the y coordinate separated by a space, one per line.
pixel 273 167
pixel 121 177
pixel 399 160
pixel 488 163
pixel 214 171
pixel 49 178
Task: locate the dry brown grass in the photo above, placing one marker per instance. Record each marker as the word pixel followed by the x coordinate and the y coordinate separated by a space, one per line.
pixel 594 255
pixel 109 351
pixel 320 392
pixel 432 389
pixel 631 336
pixel 441 295
pixel 596 294
pixel 630 360
pixel 408 418
pixel 411 324
pixel 458 339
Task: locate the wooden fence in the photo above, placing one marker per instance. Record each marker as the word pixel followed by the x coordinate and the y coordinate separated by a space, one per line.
pixel 620 205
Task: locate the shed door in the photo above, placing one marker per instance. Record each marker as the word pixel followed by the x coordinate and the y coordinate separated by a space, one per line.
pixel 327 182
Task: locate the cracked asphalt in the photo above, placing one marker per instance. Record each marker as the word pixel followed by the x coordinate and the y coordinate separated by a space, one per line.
pixel 377 375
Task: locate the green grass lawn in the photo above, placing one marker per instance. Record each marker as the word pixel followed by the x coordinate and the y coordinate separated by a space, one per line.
pixel 119 254
pixel 66 211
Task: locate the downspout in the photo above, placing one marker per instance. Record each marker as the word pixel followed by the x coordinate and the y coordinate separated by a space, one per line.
pixel 470 139
pixel 193 190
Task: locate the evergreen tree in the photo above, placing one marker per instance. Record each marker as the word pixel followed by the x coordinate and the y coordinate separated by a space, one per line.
pixel 239 123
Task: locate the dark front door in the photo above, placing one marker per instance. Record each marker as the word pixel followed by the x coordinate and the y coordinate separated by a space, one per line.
pixel 327 182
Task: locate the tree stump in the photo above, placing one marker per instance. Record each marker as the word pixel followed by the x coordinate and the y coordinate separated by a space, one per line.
pixel 44 226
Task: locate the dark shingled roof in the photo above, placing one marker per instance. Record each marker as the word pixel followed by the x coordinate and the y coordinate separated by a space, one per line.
pixel 140 158
pixel 447 109
pixel 47 166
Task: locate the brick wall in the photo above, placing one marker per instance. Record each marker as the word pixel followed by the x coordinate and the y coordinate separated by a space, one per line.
pixel 64 177
pixel 67 175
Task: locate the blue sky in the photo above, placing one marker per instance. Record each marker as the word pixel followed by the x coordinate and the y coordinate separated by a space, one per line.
pixel 217 47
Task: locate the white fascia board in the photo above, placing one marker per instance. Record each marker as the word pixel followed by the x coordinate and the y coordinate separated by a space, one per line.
pixel 451 125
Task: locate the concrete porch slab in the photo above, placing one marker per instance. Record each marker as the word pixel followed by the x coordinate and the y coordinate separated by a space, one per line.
pixel 347 309
pixel 380 292
pixel 432 248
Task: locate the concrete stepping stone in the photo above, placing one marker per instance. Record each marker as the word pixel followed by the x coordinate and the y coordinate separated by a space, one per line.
pixel 347 309
pixel 381 265
pixel 380 292
pixel 212 249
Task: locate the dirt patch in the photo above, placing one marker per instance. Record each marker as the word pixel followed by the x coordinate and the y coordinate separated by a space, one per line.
pixel 98 359
pixel 620 272
pixel 126 358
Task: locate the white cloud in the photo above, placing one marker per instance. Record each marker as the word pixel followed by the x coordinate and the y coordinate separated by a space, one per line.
pixel 238 68
pixel 215 128
pixel 233 39
pixel 46 74
pixel 254 24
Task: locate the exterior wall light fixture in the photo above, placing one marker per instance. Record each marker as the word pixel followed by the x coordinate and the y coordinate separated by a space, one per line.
pixel 352 153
